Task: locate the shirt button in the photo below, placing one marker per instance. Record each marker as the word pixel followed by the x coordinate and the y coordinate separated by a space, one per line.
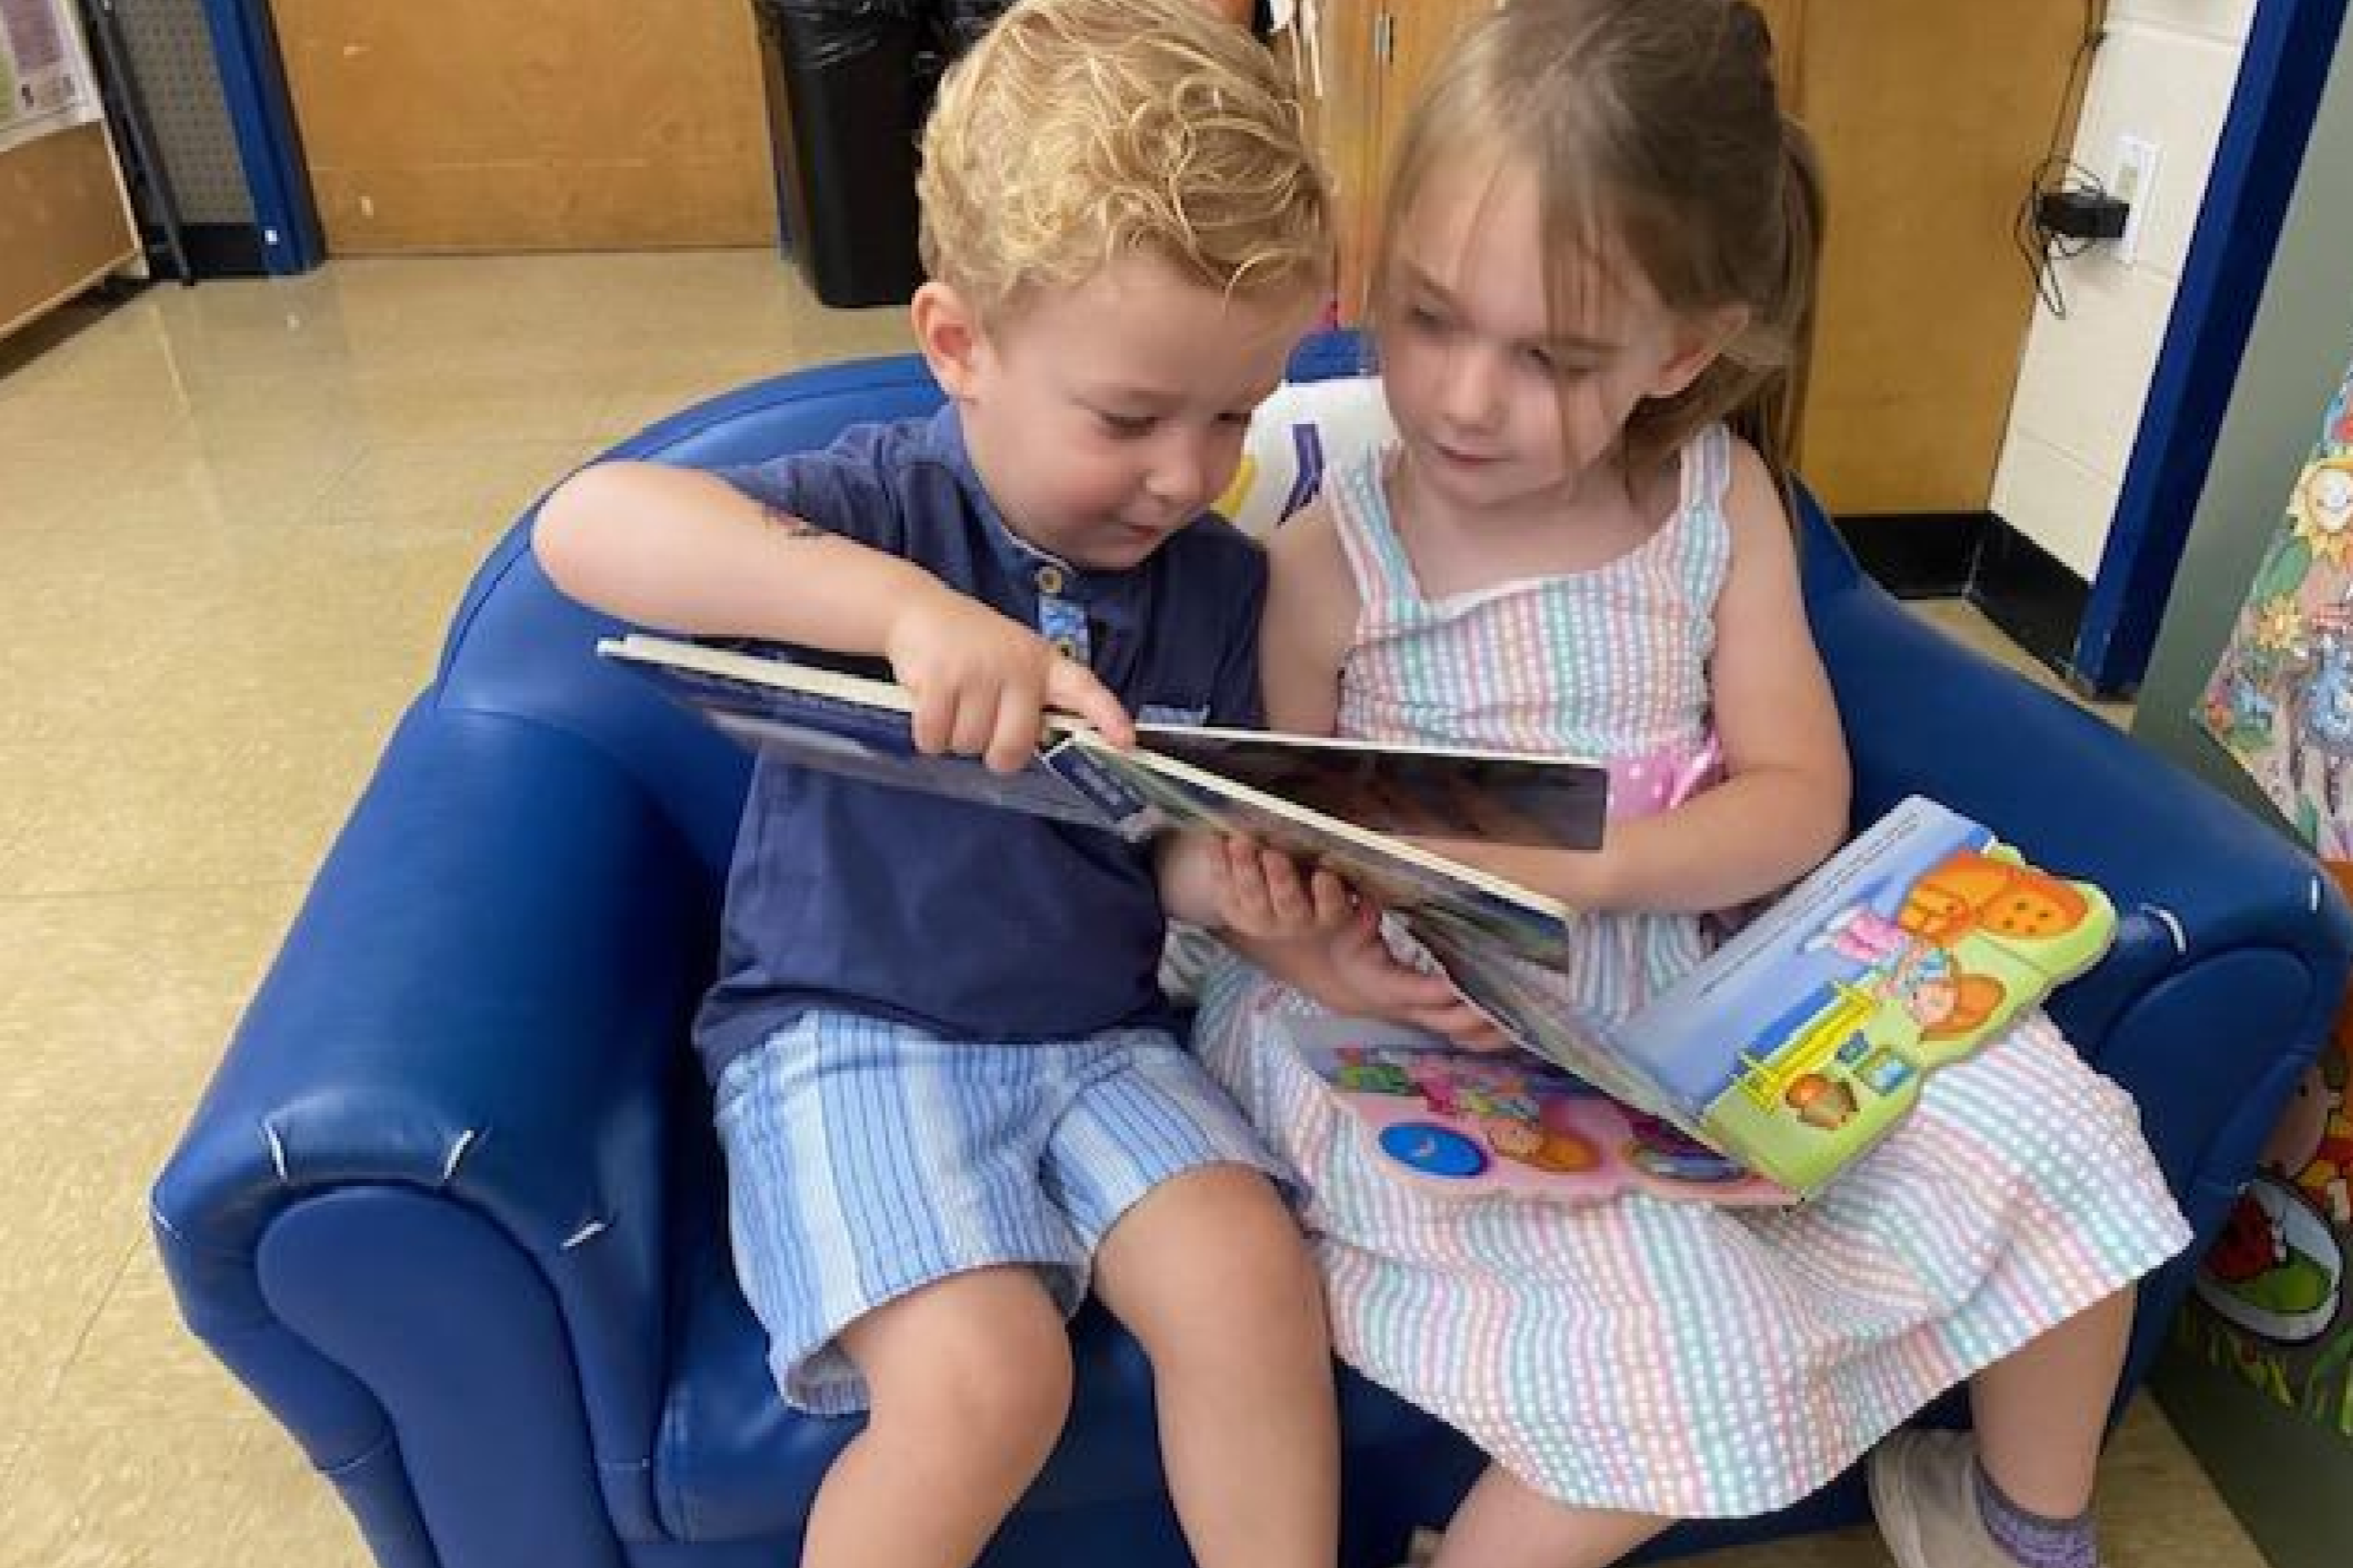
pixel 1067 647
pixel 1049 580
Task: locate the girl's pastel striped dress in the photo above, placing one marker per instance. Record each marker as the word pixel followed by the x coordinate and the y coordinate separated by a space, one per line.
pixel 1651 1356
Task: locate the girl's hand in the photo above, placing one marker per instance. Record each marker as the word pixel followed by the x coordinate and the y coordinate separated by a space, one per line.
pixel 1376 983
pixel 983 682
pixel 1321 936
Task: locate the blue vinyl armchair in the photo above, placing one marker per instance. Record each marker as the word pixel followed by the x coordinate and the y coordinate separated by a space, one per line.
pixel 451 1208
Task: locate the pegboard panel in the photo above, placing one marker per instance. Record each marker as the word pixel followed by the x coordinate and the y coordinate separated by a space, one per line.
pixel 171 51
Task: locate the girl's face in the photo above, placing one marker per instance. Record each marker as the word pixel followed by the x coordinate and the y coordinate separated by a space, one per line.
pixel 1498 405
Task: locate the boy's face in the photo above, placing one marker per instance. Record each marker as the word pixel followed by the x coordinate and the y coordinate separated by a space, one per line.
pixel 1106 417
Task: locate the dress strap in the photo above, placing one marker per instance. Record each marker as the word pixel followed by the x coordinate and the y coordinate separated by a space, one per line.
pixel 1707 470
pixel 1702 536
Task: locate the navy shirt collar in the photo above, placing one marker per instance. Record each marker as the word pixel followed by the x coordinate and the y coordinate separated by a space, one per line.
pixel 1109 596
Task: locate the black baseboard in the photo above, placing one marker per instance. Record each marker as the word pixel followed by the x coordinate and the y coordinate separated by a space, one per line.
pixel 2020 587
pixel 2037 602
pixel 1917 555
pixel 223 250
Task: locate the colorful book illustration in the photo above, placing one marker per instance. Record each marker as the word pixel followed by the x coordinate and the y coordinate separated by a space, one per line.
pixel 1472 1122
pixel 1338 803
pixel 1805 1039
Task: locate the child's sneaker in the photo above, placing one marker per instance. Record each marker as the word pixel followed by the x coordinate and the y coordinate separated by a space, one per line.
pixel 1924 1492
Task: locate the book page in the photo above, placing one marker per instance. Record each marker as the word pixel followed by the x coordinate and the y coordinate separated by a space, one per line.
pixel 1393 872
pixel 1808 1037
pixel 1439 792
pixel 833 723
pixel 1533 1007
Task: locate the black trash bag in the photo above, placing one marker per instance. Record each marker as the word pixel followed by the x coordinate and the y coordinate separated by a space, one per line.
pixel 962 21
pixel 824 34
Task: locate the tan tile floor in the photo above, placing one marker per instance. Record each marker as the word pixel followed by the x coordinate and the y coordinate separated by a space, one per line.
pixel 234 520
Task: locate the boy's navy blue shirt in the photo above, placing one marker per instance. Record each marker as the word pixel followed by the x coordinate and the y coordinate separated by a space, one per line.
pixel 962 920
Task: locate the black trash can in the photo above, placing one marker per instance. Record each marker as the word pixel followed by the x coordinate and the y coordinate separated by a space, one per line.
pixel 848 83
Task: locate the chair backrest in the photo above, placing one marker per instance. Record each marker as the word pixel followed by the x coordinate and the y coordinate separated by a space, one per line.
pixel 520 647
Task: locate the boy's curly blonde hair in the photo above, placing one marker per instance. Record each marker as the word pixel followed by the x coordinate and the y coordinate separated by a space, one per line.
pixel 1080 131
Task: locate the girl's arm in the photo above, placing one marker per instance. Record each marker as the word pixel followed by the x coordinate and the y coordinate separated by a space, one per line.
pixel 1783 804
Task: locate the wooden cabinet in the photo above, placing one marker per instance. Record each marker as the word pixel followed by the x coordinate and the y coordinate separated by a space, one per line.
pixel 65 221
pixel 1931 119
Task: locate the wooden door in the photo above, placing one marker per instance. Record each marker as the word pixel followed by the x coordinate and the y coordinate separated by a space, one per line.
pixel 448 125
pixel 1344 118
pixel 1931 121
pixel 1786 20
pixel 1419 34
pixel 1375 56
pixel 1413 41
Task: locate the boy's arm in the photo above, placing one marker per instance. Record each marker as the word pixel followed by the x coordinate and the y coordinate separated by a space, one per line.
pixel 683 550
pixel 689 553
pixel 1783 804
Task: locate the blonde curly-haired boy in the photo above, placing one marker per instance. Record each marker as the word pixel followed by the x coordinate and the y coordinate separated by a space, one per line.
pixel 951 1095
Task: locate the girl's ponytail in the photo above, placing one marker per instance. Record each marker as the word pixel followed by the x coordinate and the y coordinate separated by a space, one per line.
pixel 1769 418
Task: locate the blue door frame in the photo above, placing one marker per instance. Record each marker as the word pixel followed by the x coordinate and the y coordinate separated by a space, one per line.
pixel 269 142
pixel 2289 49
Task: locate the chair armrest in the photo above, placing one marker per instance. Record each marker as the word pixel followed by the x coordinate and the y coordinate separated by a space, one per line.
pixel 2231 948
pixel 2191 873
pixel 483 997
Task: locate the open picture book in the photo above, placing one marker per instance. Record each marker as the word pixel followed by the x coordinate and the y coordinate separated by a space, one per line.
pixel 1771 1066
pixel 1790 1050
pixel 1338 803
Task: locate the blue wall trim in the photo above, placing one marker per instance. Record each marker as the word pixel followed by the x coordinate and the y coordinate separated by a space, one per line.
pixel 268 143
pixel 2260 153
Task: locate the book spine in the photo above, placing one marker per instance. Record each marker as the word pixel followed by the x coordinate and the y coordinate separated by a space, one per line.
pixel 1132 815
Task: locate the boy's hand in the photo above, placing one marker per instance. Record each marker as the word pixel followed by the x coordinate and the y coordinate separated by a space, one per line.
pixel 1261 894
pixel 982 682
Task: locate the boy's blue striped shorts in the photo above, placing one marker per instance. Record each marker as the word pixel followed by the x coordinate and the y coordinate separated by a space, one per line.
pixel 867 1159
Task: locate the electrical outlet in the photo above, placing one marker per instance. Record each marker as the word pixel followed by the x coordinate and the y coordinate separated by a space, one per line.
pixel 2133 184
